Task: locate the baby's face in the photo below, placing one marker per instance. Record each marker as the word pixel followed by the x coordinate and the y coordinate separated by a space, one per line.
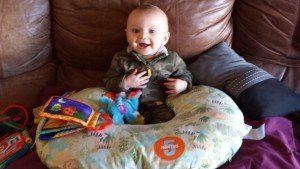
pixel 147 32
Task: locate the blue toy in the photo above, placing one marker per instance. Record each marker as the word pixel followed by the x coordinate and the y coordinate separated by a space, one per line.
pixel 122 106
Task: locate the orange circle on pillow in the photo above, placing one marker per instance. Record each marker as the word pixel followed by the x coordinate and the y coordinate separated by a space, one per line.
pixel 169 148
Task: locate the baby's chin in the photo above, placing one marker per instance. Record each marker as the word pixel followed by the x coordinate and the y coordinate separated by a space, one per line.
pixel 144 52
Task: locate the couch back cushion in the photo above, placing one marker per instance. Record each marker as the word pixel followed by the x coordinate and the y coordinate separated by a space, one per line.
pixel 26 62
pixel 267 34
pixel 24 36
pixel 88 33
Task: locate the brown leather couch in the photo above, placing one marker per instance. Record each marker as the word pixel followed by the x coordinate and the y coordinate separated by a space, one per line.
pixel 71 42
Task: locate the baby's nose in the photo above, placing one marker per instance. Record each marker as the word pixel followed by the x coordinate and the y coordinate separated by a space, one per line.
pixel 143 34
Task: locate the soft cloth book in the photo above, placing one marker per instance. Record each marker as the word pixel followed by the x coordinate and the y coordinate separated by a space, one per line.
pixel 68 110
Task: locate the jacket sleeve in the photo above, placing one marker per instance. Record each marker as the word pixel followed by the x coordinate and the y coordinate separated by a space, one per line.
pixel 181 71
pixel 114 76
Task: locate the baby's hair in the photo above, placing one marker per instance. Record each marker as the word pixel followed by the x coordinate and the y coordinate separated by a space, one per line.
pixel 150 8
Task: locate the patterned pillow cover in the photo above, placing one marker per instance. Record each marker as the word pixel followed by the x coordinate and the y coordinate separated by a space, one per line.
pixel 206 132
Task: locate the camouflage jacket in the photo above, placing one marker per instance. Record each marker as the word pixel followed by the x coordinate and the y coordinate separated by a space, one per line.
pixel 164 65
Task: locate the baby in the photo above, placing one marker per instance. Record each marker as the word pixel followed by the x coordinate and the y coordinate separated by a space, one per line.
pixel 148 65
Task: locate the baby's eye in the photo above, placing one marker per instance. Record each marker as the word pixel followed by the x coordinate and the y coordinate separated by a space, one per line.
pixel 152 31
pixel 135 30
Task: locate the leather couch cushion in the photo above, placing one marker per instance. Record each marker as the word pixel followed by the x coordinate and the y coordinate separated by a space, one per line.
pixel 25 36
pixel 267 34
pixel 26 60
pixel 25 89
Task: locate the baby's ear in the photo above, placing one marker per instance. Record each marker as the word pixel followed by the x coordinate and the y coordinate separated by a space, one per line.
pixel 166 37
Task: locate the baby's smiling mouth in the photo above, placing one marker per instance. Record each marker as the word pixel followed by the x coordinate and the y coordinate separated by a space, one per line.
pixel 144 45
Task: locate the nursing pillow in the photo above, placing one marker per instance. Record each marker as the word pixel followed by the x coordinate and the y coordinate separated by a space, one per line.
pixel 205 133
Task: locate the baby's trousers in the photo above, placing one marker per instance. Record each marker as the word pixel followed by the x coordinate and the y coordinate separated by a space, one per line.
pixel 155 113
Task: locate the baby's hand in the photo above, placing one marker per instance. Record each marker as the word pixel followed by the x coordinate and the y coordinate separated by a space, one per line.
pixel 175 86
pixel 136 80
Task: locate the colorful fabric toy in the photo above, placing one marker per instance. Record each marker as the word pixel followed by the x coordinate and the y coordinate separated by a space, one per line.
pixel 122 106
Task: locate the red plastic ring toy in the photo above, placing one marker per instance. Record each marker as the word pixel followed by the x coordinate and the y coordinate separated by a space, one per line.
pixel 21 108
